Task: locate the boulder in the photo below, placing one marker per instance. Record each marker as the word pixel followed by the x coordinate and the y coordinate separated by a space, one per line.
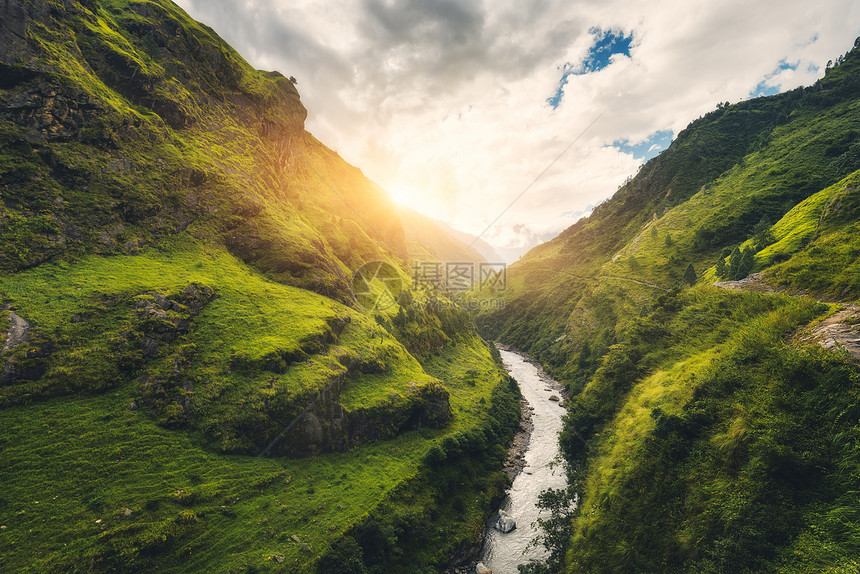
pixel 481 569
pixel 17 333
pixel 554 398
pixel 505 523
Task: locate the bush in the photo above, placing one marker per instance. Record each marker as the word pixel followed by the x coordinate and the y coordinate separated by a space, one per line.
pixel 344 557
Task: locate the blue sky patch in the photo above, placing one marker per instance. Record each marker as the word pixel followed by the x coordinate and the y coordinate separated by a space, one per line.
pixel 762 89
pixel 606 44
pixel 647 148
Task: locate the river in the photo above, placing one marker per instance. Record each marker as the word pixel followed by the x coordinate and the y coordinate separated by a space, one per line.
pixel 503 552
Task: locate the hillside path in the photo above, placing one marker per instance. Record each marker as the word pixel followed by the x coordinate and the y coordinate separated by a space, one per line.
pixel 838 331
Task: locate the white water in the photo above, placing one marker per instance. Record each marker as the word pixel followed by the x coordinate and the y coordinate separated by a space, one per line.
pixel 503 552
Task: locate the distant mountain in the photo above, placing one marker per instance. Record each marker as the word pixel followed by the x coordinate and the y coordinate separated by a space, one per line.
pixel 512 254
pixel 428 238
pixel 485 249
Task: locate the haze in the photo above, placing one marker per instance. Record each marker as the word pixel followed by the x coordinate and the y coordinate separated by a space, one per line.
pixel 456 107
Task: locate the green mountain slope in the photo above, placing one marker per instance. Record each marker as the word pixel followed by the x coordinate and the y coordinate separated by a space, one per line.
pixel 189 380
pixel 707 430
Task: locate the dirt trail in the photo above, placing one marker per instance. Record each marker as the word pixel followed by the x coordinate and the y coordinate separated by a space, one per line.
pixel 837 332
pixel 753 282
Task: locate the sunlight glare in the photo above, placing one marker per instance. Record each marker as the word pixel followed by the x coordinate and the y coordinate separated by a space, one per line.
pixel 405 195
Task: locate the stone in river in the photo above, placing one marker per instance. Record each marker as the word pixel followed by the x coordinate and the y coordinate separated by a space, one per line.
pixel 505 523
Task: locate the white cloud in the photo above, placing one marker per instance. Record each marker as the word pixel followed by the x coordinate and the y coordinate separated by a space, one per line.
pixel 448 97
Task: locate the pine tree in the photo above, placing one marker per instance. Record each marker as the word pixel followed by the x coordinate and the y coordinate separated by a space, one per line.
pixel 690 275
pixel 747 262
pixel 734 264
pixel 762 235
pixel 668 240
pixel 721 268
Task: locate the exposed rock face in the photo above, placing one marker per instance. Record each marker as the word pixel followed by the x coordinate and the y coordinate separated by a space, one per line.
pixel 167 387
pixel 17 333
pixel 23 356
pixel 13 32
pixel 326 426
pixel 163 319
pixel 49 112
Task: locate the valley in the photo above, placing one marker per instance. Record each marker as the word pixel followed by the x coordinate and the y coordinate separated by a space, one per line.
pixel 218 354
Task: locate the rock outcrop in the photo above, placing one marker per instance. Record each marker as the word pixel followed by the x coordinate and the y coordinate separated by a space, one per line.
pixel 326 426
pixel 505 523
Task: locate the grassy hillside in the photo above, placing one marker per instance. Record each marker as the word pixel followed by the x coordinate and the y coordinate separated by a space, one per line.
pixel 188 379
pixel 723 175
pixel 707 431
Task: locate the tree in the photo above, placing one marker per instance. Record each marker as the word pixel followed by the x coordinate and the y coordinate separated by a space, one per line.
pixel 762 235
pixel 747 263
pixel 344 557
pixel 721 267
pixel 668 240
pixel 690 275
pixel 734 263
pixel 556 530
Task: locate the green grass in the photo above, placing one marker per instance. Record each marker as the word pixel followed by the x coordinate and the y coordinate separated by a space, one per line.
pixel 725 449
pixel 806 223
pixel 190 176
pixel 826 263
pixel 798 226
pixel 74 461
pixel 250 320
pixel 87 457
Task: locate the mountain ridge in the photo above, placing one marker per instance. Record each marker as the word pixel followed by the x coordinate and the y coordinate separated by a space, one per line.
pixel 705 429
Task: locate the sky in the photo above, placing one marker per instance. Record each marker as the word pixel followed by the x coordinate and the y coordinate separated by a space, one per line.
pixel 510 118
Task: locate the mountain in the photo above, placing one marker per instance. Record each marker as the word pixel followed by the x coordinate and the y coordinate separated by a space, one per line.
pixel 212 354
pixel 486 250
pixel 430 240
pixel 704 321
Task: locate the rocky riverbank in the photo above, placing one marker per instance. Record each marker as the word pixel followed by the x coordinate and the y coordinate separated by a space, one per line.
pixel 515 460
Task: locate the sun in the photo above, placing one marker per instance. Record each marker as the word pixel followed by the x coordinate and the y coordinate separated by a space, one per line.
pixel 404 195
